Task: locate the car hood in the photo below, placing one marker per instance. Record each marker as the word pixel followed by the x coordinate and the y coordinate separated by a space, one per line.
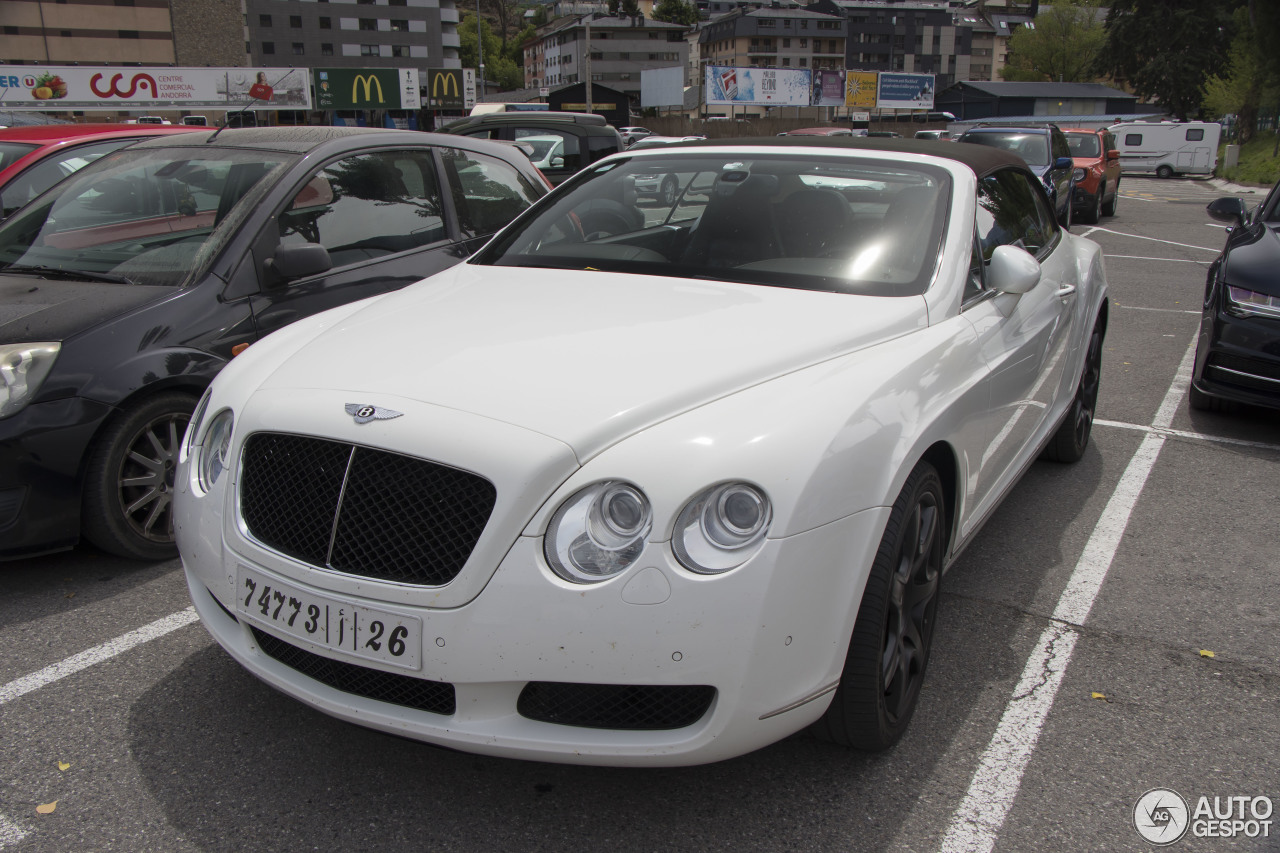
pixel 40 309
pixel 584 357
pixel 1252 258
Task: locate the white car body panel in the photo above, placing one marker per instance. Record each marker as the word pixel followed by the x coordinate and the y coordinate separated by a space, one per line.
pixel 824 401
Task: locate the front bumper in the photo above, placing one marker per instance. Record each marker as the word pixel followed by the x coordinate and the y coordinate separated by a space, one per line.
pixel 42 451
pixel 769 637
pixel 1238 358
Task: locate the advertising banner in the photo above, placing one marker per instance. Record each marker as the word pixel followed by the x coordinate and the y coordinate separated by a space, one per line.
pixel 446 89
pixel 771 86
pixel 828 88
pixel 367 89
pixel 860 89
pixel 53 88
pixel 905 91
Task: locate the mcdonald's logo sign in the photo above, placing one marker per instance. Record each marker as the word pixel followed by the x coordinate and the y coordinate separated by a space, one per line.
pixel 445 86
pixel 369 81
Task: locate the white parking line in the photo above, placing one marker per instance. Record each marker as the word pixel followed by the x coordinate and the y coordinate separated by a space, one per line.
pixel 976 823
pixel 97 654
pixel 1198 436
pixel 1171 260
pixel 1155 239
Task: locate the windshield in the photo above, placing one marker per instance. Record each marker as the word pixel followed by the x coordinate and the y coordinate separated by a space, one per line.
pixel 804 221
pixel 146 216
pixel 1032 147
pixel 12 152
pixel 1084 145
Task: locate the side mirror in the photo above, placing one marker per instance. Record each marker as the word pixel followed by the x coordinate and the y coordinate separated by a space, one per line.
pixel 1231 210
pixel 299 261
pixel 1063 163
pixel 557 162
pixel 1113 154
pixel 1012 270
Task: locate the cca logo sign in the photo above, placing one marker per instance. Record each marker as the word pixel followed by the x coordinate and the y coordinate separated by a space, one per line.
pixel 138 81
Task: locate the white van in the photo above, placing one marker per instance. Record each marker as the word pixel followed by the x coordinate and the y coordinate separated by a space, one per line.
pixel 1168 148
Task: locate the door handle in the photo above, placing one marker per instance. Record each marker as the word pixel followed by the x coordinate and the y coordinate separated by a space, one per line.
pixel 1066 290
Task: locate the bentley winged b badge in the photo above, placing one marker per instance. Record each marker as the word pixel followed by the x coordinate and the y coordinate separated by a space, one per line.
pixel 364 413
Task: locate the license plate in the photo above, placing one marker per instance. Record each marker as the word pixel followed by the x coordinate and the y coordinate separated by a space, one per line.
pixel 331 623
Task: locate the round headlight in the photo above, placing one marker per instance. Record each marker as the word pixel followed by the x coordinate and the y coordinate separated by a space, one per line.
pixel 598 532
pixel 721 528
pixel 215 450
pixel 1078 175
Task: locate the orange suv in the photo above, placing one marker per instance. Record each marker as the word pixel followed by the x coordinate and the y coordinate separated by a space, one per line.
pixel 1097 162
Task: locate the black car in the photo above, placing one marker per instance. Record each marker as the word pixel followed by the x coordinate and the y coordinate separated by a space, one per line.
pixel 129 285
pixel 1238 352
pixel 587 137
pixel 1046 151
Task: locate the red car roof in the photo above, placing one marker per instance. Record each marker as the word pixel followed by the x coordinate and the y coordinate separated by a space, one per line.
pixel 47 133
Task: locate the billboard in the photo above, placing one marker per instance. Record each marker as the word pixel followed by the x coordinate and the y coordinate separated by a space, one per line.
pixel 367 89
pixel 905 91
pixel 662 87
pixel 771 86
pixel 828 88
pixel 860 89
pixel 446 89
pixel 56 87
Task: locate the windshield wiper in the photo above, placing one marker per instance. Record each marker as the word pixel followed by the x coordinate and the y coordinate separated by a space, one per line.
pixel 58 272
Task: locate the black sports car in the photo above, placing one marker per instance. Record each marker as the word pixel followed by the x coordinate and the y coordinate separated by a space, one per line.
pixel 124 289
pixel 1238 353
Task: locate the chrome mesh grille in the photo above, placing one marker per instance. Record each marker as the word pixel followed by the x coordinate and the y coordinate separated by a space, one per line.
pixel 362 511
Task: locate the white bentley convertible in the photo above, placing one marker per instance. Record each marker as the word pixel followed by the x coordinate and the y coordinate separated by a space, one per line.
pixel 650 483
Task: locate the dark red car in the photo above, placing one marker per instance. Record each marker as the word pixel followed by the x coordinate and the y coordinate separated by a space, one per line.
pixel 32 159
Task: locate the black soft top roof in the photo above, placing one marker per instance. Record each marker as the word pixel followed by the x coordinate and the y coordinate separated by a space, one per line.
pixel 981 159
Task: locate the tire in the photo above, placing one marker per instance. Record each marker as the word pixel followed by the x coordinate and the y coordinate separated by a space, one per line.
pixel 1065 219
pixel 127 504
pixel 1071 439
pixel 1095 213
pixel 670 187
pixel 889 651
pixel 1109 207
pixel 1164 172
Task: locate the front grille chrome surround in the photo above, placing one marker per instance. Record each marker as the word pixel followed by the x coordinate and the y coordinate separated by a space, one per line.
pixel 360 510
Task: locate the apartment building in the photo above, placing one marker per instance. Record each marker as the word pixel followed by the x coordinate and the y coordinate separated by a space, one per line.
pixel 619 49
pixel 774 37
pixel 418 34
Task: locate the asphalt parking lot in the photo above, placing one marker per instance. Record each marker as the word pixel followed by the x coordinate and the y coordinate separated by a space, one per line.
pixel 1114 629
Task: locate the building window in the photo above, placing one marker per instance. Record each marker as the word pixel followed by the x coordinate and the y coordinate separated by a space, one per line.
pixel 369 50
pixel 298 49
pixel 268 47
pixel 786 24
pixel 326 49
pixel 804 62
pixel 295 21
pixel 326 23
pixel 127 34
pixel 399 26
pixel 399 50
pixel 766 23
pixel 786 62
pixel 398 3
pixel 369 24
pixel 264 20
pixel 786 42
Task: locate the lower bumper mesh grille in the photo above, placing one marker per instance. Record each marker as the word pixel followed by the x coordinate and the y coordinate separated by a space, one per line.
pixel 433 696
pixel 615 706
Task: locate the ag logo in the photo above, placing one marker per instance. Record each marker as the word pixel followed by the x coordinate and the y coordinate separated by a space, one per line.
pixel 365 413
pixel 1161 816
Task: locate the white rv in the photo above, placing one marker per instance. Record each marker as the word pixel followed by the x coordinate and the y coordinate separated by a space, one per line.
pixel 1168 148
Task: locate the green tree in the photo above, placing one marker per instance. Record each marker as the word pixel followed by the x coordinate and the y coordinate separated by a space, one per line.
pixel 1167 49
pixel 1062 48
pixel 676 12
pixel 1249 81
pixel 499 67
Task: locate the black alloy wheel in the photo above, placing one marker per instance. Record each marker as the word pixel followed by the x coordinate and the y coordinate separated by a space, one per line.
pixel 127 506
pixel 889 651
pixel 1072 436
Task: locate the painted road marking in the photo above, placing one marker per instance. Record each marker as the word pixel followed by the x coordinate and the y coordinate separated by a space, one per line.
pixel 976 824
pixel 1155 239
